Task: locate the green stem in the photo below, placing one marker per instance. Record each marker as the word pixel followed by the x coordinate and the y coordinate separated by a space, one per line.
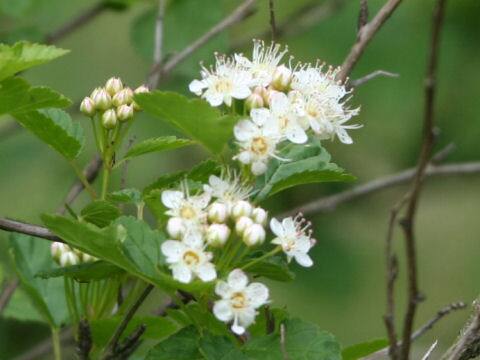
pixel 232 252
pixel 140 208
pixel 105 179
pixel 95 134
pixel 83 179
pixel 57 350
pixel 261 258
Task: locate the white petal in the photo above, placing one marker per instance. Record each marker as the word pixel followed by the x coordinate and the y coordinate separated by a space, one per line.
pixel 279 102
pixel 172 250
pixel 202 200
pixel 206 272
pixel 244 130
pixel 193 239
pixel 343 136
pixel 297 135
pixel 303 259
pixel 258 168
pixel 241 92
pixel 260 116
pixel 237 329
pixel 303 244
pixel 257 294
pixel 289 225
pixel 246 317
pixel 237 280
pixel 196 86
pixel 222 289
pixel 277 227
pixel 172 198
pixel 181 273
pixel 244 157
pixel 213 98
pixel 222 310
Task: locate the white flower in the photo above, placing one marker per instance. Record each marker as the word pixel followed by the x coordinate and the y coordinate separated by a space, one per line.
pixel 239 300
pixel 175 227
pixel 188 260
pixel 257 139
pixel 225 82
pixel 217 235
pixel 286 114
pixel 228 189
pixel 311 80
pixel 190 209
pixel 265 60
pixel 254 235
pixel 292 237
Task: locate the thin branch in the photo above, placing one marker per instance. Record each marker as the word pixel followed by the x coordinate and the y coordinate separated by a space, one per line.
pixel 366 33
pixel 7 293
pixel 283 347
pixel 77 22
pixel 239 14
pixel 371 76
pixel 273 26
pixel 158 44
pixel 408 223
pixel 362 14
pixel 28 229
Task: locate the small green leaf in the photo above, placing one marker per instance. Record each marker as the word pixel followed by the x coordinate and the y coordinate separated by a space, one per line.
pixel 361 350
pixel 180 346
pixel 275 268
pixel 56 128
pixel 194 117
pixel 24 55
pixel 20 308
pixel 84 272
pixel 100 213
pixel 163 143
pixel 17 96
pixel 31 255
pixel 126 196
pixel 219 348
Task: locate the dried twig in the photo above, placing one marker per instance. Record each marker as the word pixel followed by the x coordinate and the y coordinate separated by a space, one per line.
pixel 283 347
pixel 273 26
pixel 371 76
pixel 7 293
pixel 152 81
pixel 362 14
pixel 28 229
pixel 366 33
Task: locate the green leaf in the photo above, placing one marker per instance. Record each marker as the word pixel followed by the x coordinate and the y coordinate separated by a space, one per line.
pixel 219 348
pixel 56 128
pixel 86 272
pixel 126 196
pixel 15 8
pixel 24 55
pixel 309 163
pixel 100 213
pixel 20 308
pixel 31 255
pixel 17 96
pixel 259 327
pixel 361 350
pixel 163 143
pixel 194 117
pixel 180 346
pixel 275 268
pixel 303 341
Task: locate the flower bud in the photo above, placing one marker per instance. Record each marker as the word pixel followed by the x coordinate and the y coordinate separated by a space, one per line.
pixel 254 101
pixel 254 235
pixel 259 216
pixel 69 258
pixel 101 99
pixel 217 235
pixel 57 249
pixel 109 119
pixel 259 90
pixel 95 92
pixel 282 77
pixel 113 85
pixel 141 89
pixel 217 212
pixel 175 227
pixel 123 97
pixel 125 112
pixel 88 258
pixel 242 224
pixel 87 107
pixel 241 208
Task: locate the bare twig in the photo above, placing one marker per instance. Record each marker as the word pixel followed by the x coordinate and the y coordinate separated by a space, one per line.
pixel 158 45
pixel 7 293
pixel 240 13
pixel 77 22
pixel 283 347
pixel 273 26
pixel 430 351
pixel 371 76
pixel 28 229
pixel 362 14
pixel 366 33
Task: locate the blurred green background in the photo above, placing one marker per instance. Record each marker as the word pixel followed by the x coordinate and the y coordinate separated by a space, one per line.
pixel 344 292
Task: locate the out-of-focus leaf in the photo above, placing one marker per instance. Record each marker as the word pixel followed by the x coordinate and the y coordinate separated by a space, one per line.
pixel 275 268
pixel 31 255
pixel 194 117
pixel 125 196
pixel 361 350
pixel 84 272
pixel 100 213
pixel 163 143
pixel 259 328
pixel 219 348
pixel 56 128
pixel 15 8
pixel 20 308
pixel 24 55
pixel 180 346
pixel 17 96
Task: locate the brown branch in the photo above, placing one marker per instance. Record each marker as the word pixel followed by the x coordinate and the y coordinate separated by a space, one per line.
pixel 273 26
pixel 152 81
pixel 7 293
pixel 366 33
pixel 77 22
pixel 28 229
pixel 362 14
pixel 283 347
pixel 239 14
pixel 371 76
pixel 408 223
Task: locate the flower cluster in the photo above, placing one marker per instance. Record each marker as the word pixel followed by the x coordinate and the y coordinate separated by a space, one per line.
pixel 113 103
pixel 214 229
pixel 65 255
pixel 285 102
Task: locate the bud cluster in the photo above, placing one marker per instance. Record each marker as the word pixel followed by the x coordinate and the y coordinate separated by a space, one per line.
pixel 113 103
pixel 65 255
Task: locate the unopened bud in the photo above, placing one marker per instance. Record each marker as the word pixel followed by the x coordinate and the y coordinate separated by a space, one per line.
pixel 113 85
pixel 69 258
pixel 88 258
pixel 242 224
pixel 102 99
pixel 259 216
pixel 259 90
pixel 141 89
pixel 125 112
pixel 123 97
pixel 282 77
pixel 217 212
pixel 87 107
pixel 254 101
pixel 57 249
pixel 175 227
pixel 217 235
pixel 241 208
pixel 254 235
pixel 109 119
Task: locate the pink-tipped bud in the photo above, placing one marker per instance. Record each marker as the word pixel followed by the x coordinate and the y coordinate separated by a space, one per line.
pixel 102 99
pixel 242 224
pixel 282 78
pixel 87 107
pixel 259 216
pixel 113 86
pixel 125 112
pixel 241 208
pixel 141 89
pixel 254 235
pixel 254 101
pixel 109 119
pixel 217 235
pixel 123 97
pixel 217 212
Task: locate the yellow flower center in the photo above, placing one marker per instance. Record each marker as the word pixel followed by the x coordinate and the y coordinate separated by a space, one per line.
pixel 187 212
pixel 191 258
pixel 259 145
pixel 239 300
pixel 223 85
pixel 283 122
